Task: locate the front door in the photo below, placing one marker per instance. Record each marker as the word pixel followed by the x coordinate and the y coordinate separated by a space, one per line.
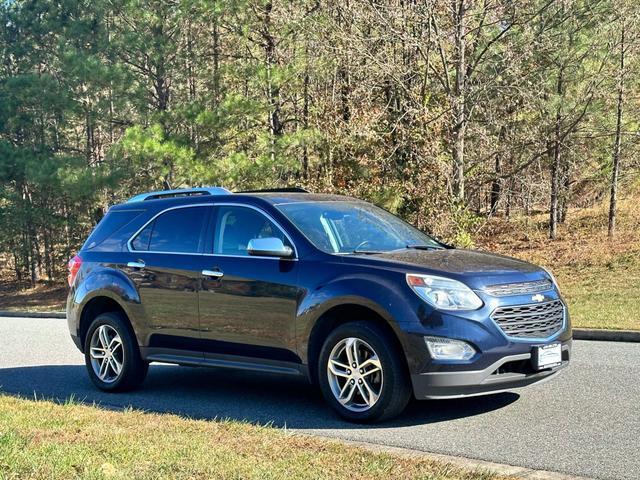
pixel 247 304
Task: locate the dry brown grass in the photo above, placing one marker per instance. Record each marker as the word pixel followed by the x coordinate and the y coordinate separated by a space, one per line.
pixel 44 297
pixel 600 277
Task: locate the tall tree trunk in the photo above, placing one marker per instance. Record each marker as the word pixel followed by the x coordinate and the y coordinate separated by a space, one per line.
pixel 459 99
pixel 191 80
pixel 615 172
pixel 496 185
pixel 305 119
pixel 563 190
pixel 555 162
pixel 215 90
pixel 273 89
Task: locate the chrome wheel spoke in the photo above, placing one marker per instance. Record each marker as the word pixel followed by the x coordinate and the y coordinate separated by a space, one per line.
pixel 364 394
pixel 104 368
pixel 97 353
pixel 350 390
pixel 371 365
pixel 116 366
pixel 371 396
pixel 115 343
pixel 102 335
pixel 351 347
pixel 339 369
pixel 344 389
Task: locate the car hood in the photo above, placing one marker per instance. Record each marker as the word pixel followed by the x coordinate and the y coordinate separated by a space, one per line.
pixel 475 268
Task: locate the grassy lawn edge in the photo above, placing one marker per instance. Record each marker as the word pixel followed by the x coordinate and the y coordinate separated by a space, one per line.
pixel 44 439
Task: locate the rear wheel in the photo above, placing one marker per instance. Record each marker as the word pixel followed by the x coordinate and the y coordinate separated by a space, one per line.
pixel 111 354
pixel 361 375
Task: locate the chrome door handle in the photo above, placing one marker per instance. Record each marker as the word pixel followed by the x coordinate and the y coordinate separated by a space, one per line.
pixel 135 264
pixel 212 273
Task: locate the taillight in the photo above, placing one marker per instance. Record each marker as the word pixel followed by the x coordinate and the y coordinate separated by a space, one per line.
pixel 73 266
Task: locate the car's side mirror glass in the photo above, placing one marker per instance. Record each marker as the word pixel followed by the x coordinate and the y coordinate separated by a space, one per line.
pixel 269 247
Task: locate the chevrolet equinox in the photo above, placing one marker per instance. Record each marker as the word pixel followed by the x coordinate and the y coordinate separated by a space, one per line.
pixel 326 287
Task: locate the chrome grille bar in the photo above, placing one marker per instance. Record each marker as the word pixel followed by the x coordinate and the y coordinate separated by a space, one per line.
pixel 521 288
pixel 538 320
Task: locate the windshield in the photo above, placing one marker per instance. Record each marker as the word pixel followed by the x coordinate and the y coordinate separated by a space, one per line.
pixel 354 227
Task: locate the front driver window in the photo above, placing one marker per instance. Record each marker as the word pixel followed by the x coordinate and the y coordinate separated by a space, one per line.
pixel 236 226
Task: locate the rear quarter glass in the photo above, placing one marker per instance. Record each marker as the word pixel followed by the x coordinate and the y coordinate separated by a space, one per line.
pixel 113 221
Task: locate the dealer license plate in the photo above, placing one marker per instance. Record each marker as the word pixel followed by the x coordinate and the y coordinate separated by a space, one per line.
pixel 547 356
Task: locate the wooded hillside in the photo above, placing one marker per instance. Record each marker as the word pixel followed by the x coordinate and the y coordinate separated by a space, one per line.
pixel 445 112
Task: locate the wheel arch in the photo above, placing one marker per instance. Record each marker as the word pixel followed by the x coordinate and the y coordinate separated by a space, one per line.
pixel 343 313
pixel 100 290
pixel 98 305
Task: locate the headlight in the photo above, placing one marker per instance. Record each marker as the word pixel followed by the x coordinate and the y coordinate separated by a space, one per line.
pixel 444 293
pixel 441 348
pixel 553 278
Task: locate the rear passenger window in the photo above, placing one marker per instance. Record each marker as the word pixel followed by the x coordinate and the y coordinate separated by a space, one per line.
pixel 141 242
pixel 113 221
pixel 175 231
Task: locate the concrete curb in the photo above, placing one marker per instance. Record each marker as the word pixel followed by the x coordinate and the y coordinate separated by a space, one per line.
pixel 463 462
pixel 606 335
pixel 33 314
pixel 578 333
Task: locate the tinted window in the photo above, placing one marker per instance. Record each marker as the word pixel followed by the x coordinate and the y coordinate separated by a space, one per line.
pixel 236 226
pixel 113 221
pixel 351 227
pixel 177 230
pixel 141 242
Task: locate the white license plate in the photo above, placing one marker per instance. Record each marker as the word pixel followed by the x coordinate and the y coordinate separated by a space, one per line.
pixel 547 356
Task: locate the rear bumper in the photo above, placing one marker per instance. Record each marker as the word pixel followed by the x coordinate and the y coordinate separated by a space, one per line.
pixel 456 384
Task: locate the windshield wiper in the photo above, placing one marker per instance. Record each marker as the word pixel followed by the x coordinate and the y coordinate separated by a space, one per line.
pixel 423 247
pixel 368 252
pixel 416 246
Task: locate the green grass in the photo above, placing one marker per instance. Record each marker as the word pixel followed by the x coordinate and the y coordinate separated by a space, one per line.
pixel 42 439
pixel 601 297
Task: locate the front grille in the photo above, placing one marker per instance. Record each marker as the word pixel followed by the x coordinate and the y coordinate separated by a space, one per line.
pixel 504 289
pixel 538 320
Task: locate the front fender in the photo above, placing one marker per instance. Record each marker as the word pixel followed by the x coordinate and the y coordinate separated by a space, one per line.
pixel 381 295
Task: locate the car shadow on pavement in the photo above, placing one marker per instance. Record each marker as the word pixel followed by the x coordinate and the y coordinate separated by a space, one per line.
pixel 204 393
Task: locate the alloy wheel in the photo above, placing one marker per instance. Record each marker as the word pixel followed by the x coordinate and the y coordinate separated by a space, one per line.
pixel 107 353
pixel 355 374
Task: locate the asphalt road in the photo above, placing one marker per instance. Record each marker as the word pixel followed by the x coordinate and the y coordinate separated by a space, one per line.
pixel 585 422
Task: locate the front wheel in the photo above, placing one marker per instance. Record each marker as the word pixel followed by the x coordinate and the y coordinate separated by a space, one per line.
pixel 111 354
pixel 361 375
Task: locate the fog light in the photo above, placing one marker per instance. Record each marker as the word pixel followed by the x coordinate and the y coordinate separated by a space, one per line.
pixel 441 348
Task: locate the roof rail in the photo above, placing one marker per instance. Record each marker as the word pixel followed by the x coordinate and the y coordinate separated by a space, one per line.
pixel 277 190
pixel 180 192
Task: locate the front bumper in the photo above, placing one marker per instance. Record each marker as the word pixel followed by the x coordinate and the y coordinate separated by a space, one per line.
pixel 507 373
pixel 77 342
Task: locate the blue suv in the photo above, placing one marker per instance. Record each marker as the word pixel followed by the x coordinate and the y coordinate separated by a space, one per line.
pixel 326 287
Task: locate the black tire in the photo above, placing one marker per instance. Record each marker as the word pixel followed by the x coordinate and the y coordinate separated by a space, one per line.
pixel 395 389
pixel 134 369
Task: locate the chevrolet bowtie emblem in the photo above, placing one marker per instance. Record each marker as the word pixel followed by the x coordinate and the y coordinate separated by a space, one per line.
pixel 537 297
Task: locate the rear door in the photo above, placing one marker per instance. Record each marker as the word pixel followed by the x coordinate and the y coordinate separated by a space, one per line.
pixel 249 309
pixel 165 266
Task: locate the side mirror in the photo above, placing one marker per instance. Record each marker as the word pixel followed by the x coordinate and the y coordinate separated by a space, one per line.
pixel 269 247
